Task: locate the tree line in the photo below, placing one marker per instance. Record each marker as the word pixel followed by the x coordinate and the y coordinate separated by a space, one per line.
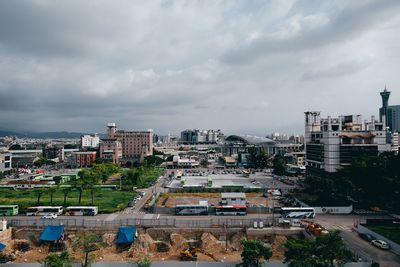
pixel 369 181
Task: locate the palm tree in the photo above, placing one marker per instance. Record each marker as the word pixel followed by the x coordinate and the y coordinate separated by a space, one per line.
pixel 39 192
pixel 51 191
pixel 66 191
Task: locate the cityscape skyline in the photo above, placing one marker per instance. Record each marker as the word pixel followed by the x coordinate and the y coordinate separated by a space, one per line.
pixel 268 61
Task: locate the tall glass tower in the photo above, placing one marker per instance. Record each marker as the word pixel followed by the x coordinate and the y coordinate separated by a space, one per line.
pixel 385 102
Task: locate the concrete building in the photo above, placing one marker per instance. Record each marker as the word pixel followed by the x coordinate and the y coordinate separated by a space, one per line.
pixel 5 161
pixel 83 159
pixel 54 153
pixel 111 150
pixel 136 145
pixel 185 162
pixel 390 115
pixel 332 143
pixel 233 199
pixel 395 142
pixel 190 136
pixel 90 141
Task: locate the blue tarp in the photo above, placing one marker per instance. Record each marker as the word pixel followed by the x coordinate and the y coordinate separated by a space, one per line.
pixel 2 247
pixel 52 233
pixel 126 235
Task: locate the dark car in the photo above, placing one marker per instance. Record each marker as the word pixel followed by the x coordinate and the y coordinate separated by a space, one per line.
pixel 366 237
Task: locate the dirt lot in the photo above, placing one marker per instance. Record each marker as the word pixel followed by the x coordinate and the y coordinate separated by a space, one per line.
pixel 170 200
pixel 166 248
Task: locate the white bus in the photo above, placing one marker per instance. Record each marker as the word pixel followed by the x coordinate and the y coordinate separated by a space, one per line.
pixel 81 211
pixel 231 210
pixel 297 213
pixel 44 210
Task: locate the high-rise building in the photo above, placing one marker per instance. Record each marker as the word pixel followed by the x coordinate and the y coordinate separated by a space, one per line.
pixel 390 115
pixel 136 145
pixel 383 110
pixel 332 143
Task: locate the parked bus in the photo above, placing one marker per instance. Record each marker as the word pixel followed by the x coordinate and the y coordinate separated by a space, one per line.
pixel 81 211
pixel 298 213
pixel 44 210
pixel 8 210
pixel 191 210
pixel 230 210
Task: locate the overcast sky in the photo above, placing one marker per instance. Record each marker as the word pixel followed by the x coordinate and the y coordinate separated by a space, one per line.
pixel 246 67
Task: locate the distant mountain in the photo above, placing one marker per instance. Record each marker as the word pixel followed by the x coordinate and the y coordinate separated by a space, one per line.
pixel 44 135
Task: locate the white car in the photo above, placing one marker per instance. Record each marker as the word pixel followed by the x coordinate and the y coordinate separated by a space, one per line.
pixel 380 244
pixel 49 216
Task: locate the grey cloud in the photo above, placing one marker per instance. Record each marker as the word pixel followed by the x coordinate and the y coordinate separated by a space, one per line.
pixel 170 65
pixel 348 68
pixel 347 24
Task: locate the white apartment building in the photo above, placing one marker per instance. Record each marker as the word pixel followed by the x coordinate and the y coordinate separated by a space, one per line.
pixel 90 141
pixel 332 143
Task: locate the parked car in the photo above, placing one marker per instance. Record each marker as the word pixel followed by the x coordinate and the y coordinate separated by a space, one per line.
pixel 366 237
pixel 380 244
pixel 49 216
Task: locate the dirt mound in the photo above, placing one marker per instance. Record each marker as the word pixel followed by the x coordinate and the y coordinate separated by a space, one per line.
pixel 109 239
pixel 235 244
pixel 210 243
pixel 278 247
pixel 178 241
pixel 145 241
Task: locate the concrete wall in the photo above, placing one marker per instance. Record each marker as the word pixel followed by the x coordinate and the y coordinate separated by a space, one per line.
pixel 393 246
pixel 211 210
pixel 334 210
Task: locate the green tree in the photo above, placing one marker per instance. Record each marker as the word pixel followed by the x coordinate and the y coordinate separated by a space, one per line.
pixel 324 251
pixel 300 253
pixel 257 158
pixel 279 165
pixel 66 191
pixel 51 191
pixel 43 161
pixel 87 244
pixel 253 252
pixel 57 260
pixel 39 192
pixel 152 161
pixel 2 175
pixel 330 248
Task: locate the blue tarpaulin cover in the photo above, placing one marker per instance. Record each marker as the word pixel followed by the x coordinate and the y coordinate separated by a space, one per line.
pixel 126 235
pixel 52 233
pixel 2 247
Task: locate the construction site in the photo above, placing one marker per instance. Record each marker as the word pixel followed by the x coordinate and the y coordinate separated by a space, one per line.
pixel 156 244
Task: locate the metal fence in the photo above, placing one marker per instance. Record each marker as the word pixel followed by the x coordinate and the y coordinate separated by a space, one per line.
pixel 160 223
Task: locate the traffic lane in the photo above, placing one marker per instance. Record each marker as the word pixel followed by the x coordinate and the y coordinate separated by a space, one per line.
pixel 367 251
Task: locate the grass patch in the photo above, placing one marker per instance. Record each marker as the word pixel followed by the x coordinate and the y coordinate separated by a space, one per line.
pixel 108 201
pixel 390 232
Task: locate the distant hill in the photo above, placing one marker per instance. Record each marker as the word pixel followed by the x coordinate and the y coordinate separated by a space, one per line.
pixel 44 135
